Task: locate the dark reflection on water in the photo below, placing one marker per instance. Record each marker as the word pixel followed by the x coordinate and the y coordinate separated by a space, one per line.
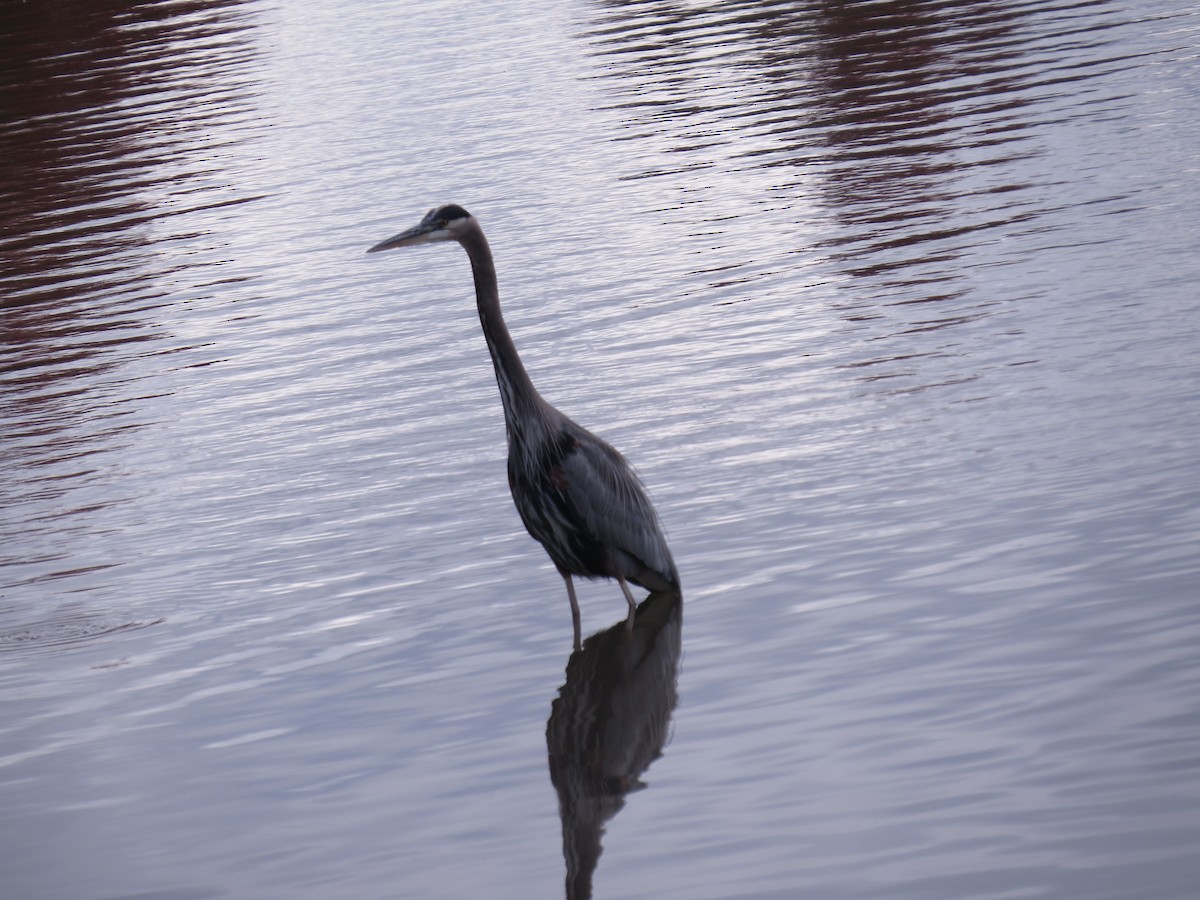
pixel 122 88
pixel 610 721
pixel 910 97
pixel 915 124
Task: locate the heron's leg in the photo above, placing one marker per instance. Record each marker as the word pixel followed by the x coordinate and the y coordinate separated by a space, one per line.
pixel 632 603
pixel 574 608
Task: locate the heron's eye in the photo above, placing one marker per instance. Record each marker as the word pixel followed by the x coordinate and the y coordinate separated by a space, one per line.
pixel 442 223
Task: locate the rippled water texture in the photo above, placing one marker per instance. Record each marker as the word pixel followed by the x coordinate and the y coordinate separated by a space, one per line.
pixel 894 306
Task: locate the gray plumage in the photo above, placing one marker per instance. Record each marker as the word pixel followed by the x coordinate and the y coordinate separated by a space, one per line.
pixel 575 493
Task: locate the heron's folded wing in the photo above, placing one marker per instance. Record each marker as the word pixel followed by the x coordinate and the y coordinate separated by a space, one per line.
pixel 611 504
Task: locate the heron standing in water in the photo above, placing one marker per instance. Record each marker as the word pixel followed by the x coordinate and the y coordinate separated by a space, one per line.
pixel 575 493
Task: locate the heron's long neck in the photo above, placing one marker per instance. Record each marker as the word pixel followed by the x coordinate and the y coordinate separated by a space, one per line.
pixel 517 392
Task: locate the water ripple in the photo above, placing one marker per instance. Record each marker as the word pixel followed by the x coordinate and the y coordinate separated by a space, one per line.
pixel 70 629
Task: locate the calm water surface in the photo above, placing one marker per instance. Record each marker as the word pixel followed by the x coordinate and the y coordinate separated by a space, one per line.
pixel 894 306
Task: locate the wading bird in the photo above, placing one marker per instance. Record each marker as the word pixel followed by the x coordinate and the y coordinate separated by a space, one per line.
pixel 576 494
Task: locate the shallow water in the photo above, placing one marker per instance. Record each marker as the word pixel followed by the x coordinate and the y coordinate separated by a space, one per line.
pixel 892 305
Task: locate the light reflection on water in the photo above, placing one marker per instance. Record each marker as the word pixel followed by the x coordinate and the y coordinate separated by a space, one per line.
pixel 892 305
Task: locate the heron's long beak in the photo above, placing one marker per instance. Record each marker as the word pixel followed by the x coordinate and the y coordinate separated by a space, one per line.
pixel 419 234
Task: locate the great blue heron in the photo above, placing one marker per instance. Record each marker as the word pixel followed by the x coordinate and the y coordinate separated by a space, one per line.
pixel 576 494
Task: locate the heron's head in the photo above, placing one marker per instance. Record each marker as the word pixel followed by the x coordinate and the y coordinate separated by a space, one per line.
pixel 443 223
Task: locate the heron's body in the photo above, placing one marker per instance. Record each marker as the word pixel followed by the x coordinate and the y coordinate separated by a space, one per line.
pixel 575 493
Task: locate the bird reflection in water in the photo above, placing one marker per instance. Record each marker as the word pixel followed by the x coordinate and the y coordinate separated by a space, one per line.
pixel 609 722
